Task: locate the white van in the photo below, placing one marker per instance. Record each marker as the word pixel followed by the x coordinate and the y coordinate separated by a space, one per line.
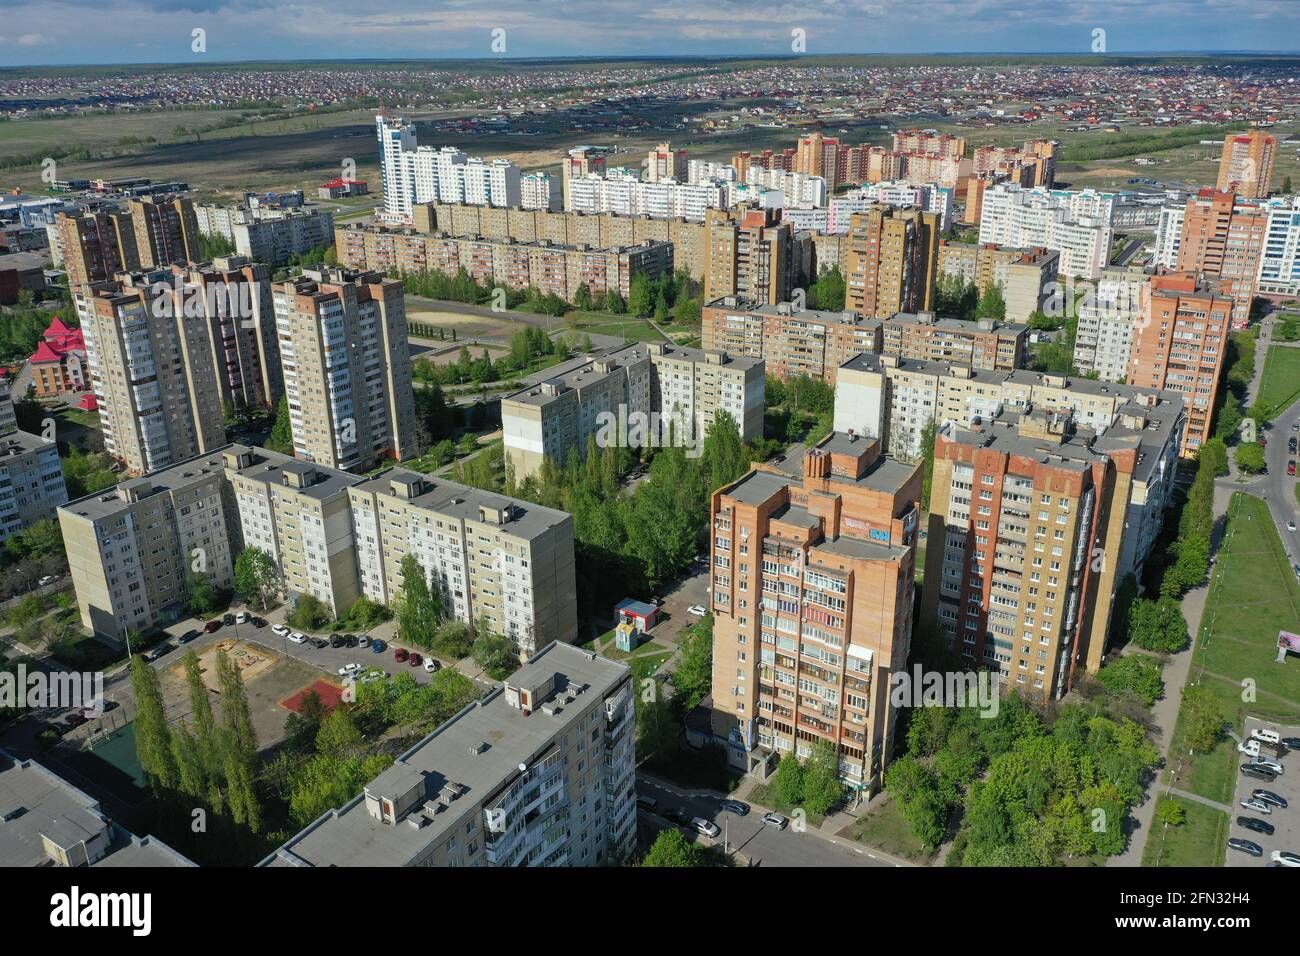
pixel 1263 733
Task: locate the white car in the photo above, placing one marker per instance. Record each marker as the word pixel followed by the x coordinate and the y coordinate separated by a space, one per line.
pixel 696 610
pixel 48 579
pixel 280 630
pixel 1267 763
pixel 1285 857
pixel 430 665
pixel 349 670
pixel 707 827
pixel 1290 526
pixel 241 617
pixel 1259 806
pixel 297 638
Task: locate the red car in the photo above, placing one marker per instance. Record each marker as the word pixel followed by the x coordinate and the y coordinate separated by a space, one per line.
pixel 415 660
pixel 1290 467
pixel 400 654
pixel 212 625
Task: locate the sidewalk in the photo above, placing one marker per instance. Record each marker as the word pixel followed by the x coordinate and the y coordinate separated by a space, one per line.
pixel 1165 712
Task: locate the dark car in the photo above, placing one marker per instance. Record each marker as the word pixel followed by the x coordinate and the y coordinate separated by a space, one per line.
pixel 1245 846
pixel 1291 743
pixel 158 652
pixel 228 619
pixel 320 643
pixel 350 640
pixel 74 721
pixel 212 625
pixel 1259 826
pixel 1259 773
pixel 1268 796
pixel 673 815
pixel 187 637
pixel 734 806
pixel 259 622
pixel 414 660
pixel 337 641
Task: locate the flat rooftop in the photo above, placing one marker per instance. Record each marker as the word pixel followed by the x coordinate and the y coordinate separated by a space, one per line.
pixel 1002 434
pixel 455 753
pixel 955 325
pixel 873 362
pixel 454 500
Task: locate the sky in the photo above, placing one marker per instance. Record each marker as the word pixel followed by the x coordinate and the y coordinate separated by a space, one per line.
pixel 34 32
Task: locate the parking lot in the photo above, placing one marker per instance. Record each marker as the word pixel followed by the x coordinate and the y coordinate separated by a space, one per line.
pixel 1286 822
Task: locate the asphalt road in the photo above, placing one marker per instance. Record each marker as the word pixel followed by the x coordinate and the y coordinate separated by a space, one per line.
pixel 761 844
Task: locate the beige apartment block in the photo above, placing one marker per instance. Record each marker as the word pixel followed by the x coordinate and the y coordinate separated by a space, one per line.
pixel 1026 522
pixel 96 246
pixel 503 565
pixel 892 261
pixel 166 230
pixel 1246 164
pixel 347 368
pixel 1027 277
pixel 984 344
pixel 154 370
pixel 750 255
pixel 791 342
pixel 812 591
pixel 31 481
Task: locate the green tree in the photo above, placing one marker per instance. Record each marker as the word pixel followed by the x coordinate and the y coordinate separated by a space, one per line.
pixel 309 613
pixel 640 299
pixel 1203 718
pixel 281 438
pixel 992 305
pixel 1250 458
pixel 672 849
pixel 928 435
pixel 240 745
pixel 257 577
pixel 822 789
pixel 1171 812
pixel 495 654
pixel 202 595
pixel 419 607
pixel 153 744
pixel 789 781
pixel 339 736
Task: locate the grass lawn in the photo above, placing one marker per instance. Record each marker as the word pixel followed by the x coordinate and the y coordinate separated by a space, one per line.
pixel 1200 841
pixel 885 829
pixel 765 795
pixel 1280 385
pixel 630 329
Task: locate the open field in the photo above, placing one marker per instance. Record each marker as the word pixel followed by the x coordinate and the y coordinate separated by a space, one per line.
pixel 1280 385
pixel 1199 841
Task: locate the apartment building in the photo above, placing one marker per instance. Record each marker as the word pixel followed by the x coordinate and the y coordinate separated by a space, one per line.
pixel 1246 164
pixel 1223 238
pixel 1279 261
pixel 892 261
pixel 818 155
pixel 154 369
pixel 664 162
pixel 1077 224
pixel 347 368
pixel 96 245
pixel 813 583
pixel 928 141
pixel 582 161
pixel 550 267
pixel 1027 277
pixel 1023 513
pixel 417 174
pixel 1106 320
pixel 791 342
pixel 166 230
pixel 31 481
pixel 266 233
pixel 46 821
pixel 538 773
pixel 663 199
pixel 987 343
pixel 1180 343
pixel 677 388
pixel 503 565
pixel 1032 165
pixel 540 191
pixel 750 254
pixel 132 548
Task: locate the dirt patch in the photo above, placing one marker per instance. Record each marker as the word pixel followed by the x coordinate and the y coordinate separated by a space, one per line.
pixel 252 662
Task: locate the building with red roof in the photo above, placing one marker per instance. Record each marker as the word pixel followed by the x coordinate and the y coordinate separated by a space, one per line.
pixel 59 363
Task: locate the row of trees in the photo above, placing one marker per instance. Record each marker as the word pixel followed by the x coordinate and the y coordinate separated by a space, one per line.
pixel 955 297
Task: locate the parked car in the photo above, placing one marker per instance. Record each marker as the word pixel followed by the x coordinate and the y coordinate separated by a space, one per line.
pixel 187 637
pixel 648 804
pixel 734 806
pixel 401 654
pixel 1268 796
pixel 243 617
pixel 1245 846
pixel 297 637
pixel 774 819
pixel 414 660
pixel 228 620
pixel 212 625
pixel 706 827
pixel 695 610
pixel 1259 806
pixel 349 670
pixel 47 579
pixel 673 815
pixel 258 622
pixel 280 630
pixel 350 640
pixel 431 665
pixel 1290 526
pixel 336 640
pixel 1254 823
pixel 74 721
pixel 363 640
pixel 1259 773
pixel 377 647
pixel 1291 743
pixel 1267 763
pixel 1285 857
pixel 1290 467
pixel 320 643
pixel 1266 734
pixel 158 651
pixel 90 713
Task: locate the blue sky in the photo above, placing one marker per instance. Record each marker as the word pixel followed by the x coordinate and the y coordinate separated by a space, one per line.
pixel 134 31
